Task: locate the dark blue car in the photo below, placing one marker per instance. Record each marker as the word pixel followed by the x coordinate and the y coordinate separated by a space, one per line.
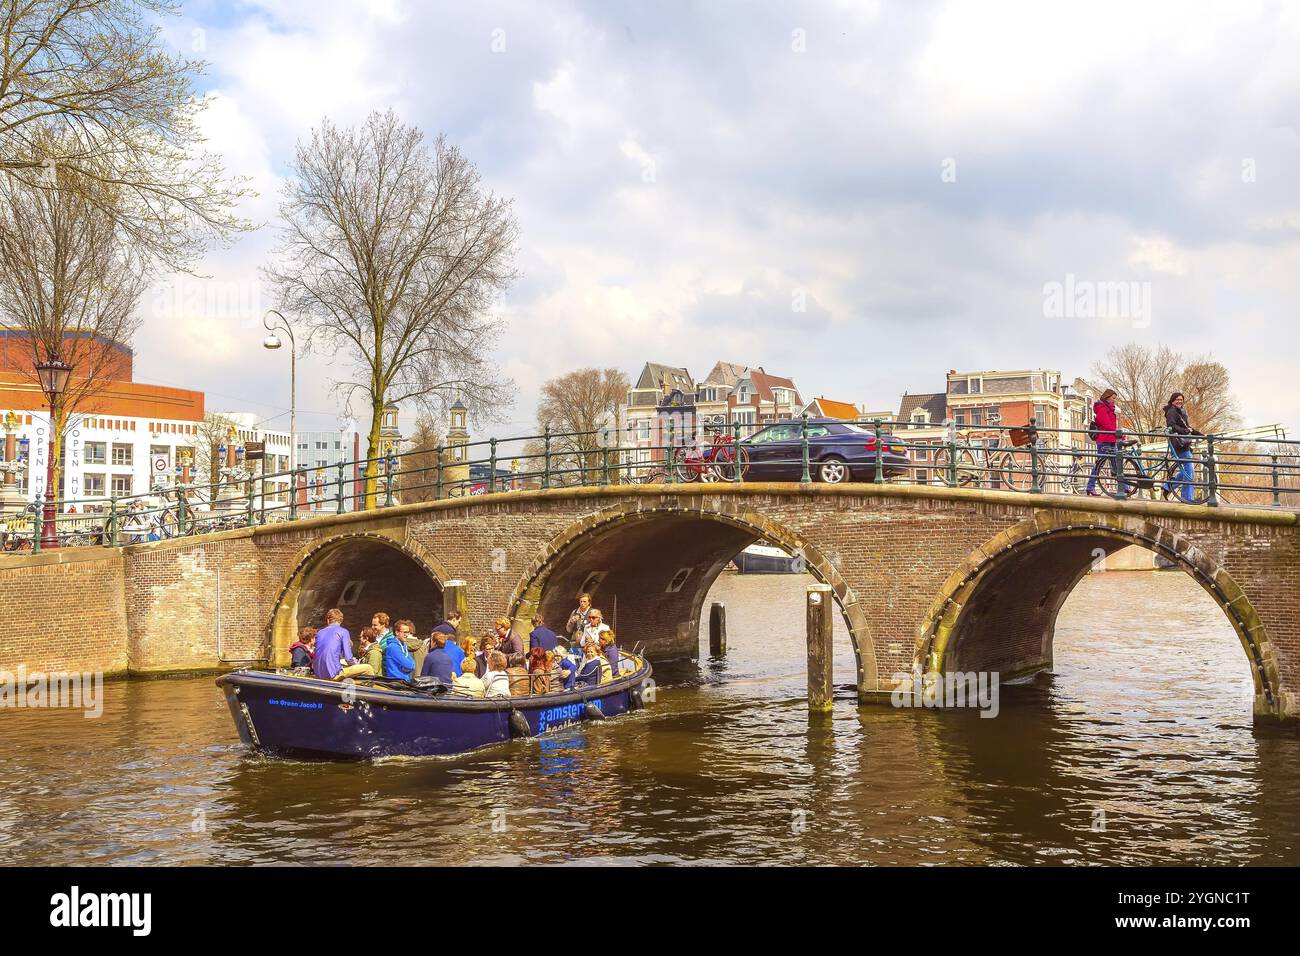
pixel 837 452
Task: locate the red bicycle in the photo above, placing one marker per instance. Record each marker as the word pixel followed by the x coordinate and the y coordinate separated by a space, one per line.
pixel 713 460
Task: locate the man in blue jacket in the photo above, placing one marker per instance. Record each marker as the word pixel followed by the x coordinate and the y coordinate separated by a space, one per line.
pixel 398 661
pixel 438 663
pixel 541 635
pixel 451 628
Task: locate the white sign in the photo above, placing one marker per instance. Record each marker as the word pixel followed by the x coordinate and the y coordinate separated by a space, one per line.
pixel 159 466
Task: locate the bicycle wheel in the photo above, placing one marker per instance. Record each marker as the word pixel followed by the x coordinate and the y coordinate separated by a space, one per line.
pixel 1130 483
pixel 967 473
pixel 684 470
pixel 725 460
pixel 1015 470
pixel 1074 479
pixel 1200 490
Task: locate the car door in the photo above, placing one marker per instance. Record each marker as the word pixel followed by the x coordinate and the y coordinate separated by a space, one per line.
pixel 783 453
pixel 764 450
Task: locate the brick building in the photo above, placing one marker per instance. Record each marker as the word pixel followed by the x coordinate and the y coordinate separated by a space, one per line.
pixel 119 441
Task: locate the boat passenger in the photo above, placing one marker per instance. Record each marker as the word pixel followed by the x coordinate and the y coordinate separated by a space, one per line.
pixel 453 651
pixel 398 661
pixel 578 618
pixel 467 684
pixel 486 645
pixel 589 674
pixel 541 635
pixel 496 682
pixel 509 643
pixel 301 649
pixel 609 648
pixel 520 681
pixel 451 626
pixel 438 663
pixel 563 670
pixel 467 647
pixel 595 627
pixel 333 658
pixel 539 671
pixel 405 630
pixel 372 653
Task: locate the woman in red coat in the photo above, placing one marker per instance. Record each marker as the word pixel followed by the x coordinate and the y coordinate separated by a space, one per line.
pixel 1105 432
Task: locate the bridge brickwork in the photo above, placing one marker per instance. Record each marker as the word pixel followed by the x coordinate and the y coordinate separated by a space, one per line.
pixel 936 578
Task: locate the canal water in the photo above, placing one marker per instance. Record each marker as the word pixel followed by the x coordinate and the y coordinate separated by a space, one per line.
pixel 1139 749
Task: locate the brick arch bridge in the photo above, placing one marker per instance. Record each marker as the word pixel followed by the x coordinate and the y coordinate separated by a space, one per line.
pixel 937 577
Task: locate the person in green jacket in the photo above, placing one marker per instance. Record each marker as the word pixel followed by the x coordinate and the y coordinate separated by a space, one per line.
pixel 371 652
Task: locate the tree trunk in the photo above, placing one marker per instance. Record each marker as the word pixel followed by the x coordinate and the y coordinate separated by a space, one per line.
pixel 372 467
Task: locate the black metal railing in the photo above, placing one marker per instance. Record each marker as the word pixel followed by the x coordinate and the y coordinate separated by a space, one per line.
pixel 1028 457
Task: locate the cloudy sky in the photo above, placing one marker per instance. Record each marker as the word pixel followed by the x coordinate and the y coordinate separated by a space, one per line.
pixel 858 195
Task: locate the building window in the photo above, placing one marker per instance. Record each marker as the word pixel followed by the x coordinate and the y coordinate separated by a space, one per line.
pixel 974 386
pixel 920 417
pixel 959 416
pixel 976 417
pixel 94 485
pixel 121 454
pixel 95 453
pixel 121 485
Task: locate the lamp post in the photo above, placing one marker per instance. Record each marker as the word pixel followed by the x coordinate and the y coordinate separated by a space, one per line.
pixel 53 376
pixel 272 341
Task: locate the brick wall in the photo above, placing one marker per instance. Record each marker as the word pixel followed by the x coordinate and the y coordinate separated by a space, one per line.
pixel 63 611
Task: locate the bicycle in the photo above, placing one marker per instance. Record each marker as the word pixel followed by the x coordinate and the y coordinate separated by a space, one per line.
pixel 982 462
pixel 714 460
pixel 1135 477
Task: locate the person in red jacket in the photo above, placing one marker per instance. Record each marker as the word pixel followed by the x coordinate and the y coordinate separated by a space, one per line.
pixel 1105 432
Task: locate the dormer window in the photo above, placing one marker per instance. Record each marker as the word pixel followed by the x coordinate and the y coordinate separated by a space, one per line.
pixel 920 416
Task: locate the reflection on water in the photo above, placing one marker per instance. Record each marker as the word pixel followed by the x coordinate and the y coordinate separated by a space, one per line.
pixel 1138 749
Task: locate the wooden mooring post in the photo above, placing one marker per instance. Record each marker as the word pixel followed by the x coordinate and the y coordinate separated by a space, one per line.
pixel 820 608
pixel 718 630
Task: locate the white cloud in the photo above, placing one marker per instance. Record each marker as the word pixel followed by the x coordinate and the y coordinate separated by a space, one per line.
pixel 1104 141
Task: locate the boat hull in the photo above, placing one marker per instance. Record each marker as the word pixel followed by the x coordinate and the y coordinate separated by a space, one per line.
pixel 766 561
pixel 287 715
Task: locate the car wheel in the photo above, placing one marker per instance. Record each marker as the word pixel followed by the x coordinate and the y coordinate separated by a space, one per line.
pixel 833 471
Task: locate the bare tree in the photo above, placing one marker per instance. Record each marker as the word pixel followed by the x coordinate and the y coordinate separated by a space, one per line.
pixel 1145 377
pixel 1211 406
pixel 70 282
pixel 212 434
pixel 392 253
pixel 87 84
pixel 418 480
pixel 576 407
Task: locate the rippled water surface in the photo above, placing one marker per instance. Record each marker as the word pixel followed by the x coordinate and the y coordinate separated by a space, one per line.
pixel 1139 749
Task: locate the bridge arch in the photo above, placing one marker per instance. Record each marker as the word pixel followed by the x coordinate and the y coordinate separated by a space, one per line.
pixel 361 573
pixel 651 568
pixel 998 611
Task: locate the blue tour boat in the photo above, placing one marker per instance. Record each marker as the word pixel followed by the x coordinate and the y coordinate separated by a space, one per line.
pixel 279 712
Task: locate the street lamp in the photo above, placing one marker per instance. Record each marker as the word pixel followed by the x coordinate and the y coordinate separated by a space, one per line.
pixel 272 341
pixel 53 377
